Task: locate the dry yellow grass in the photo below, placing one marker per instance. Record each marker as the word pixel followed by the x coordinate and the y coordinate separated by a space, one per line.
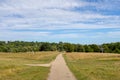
pixel 12 65
pixel 94 66
pixel 76 56
pixel 27 56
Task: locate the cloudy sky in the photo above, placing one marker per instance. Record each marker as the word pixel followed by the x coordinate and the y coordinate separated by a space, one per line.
pixel 76 21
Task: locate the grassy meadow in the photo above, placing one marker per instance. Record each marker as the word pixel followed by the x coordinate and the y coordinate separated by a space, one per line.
pixel 97 66
pixel 12 65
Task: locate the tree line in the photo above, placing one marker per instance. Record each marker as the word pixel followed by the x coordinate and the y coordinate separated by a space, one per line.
pixel 23 46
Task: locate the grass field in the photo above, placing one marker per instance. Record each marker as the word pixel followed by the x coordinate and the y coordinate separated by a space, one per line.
pixel 94 66
pixel 12 65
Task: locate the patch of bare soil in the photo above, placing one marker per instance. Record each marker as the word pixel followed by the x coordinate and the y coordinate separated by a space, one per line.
pixel 44 65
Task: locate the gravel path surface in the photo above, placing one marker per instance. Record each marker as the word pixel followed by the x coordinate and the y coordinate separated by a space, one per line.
pixel 59 70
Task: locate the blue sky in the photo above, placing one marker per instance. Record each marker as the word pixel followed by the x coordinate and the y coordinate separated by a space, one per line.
pixel 75 21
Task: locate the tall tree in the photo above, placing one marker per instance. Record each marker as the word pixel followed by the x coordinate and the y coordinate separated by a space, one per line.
pixel 95 48
pixel 88 48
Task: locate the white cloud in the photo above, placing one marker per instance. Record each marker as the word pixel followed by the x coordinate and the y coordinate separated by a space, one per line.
pixel 39 4
pixel 39 13
pixel 54 15
pixel 58 19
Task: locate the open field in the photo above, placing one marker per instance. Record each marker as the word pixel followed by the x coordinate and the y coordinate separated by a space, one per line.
pixel 12 65
pixel 95 66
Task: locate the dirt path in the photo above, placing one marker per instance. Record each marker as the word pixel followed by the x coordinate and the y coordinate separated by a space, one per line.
pixel 44 65
pixel 59 70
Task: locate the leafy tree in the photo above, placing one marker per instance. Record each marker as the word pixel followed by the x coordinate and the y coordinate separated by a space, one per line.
pixel 80 48
pixel 53 47
pixel 95 48
pixel 68 47
pixel 105 48
pixel 88 48
pixel 116 51
pixel 60 46
pixel 45 47
pixel 22 46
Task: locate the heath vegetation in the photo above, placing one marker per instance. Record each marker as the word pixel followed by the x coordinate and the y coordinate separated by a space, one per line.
pixel 89 66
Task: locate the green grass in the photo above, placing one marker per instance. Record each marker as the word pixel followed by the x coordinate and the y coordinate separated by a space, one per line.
pixel 12 65
pixel 94 66
pixel 29 73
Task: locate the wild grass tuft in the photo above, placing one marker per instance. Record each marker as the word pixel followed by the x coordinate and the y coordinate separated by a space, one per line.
pixel 12 65
pixel 94 66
